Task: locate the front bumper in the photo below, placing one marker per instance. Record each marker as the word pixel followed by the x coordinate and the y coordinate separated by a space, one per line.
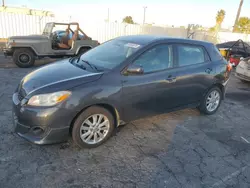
pixel 41 125
pixel 7 52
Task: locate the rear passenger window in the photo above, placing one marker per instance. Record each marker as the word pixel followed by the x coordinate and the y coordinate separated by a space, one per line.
pixel 189 55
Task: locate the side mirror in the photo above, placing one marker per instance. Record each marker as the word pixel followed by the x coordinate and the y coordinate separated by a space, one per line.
pixel 134 69
pixel 241 58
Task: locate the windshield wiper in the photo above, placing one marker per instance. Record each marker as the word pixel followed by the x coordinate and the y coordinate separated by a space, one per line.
pixel 92 66
pixel 73 58
pixel 95 68
pixel 77 58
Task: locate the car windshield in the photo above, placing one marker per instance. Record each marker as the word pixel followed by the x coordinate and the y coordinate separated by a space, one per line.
pixel 110 54
pixel 48 28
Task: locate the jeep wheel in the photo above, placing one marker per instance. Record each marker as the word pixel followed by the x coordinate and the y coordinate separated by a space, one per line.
pixel 24 58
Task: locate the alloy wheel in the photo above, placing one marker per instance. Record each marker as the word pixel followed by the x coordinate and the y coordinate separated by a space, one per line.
pixel 94 129
pixel 213 101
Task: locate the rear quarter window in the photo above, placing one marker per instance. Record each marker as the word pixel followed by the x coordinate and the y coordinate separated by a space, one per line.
pixel 216 55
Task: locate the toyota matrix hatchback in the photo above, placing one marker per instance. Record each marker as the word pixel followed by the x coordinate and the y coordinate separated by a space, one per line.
pixel 119 81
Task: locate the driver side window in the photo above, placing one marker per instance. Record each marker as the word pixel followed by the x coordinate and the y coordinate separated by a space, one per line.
pixel 157 58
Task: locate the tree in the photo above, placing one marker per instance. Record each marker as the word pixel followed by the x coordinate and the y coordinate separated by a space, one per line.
pixel 243 25
pixel 128 19
pixel 219 19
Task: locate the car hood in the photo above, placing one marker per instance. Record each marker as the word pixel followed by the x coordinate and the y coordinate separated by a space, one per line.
pixel 29 37
pixel 56 76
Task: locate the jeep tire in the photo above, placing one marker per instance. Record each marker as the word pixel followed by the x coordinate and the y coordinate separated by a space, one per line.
pixel 24 57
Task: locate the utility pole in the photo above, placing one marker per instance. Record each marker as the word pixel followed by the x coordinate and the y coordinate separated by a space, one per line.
pixel 108 14
pixel 3 4
pixel 144 14
pixel 238 15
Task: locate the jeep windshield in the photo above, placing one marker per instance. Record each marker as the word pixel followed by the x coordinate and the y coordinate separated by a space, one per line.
pixel 110 54
pixel 48 28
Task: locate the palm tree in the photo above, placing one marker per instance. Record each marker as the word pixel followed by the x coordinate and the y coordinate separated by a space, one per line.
pixel 220 18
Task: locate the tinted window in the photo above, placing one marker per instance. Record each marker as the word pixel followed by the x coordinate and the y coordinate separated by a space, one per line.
pixel 157 58
pixel 110 54
pixel 189 55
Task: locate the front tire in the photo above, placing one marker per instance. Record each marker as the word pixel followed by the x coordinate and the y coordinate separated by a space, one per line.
pixel 211 101
pixel 24 58
pixel 93 127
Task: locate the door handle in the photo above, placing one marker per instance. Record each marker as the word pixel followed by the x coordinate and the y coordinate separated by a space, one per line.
pixel 171 79
pixel 208 70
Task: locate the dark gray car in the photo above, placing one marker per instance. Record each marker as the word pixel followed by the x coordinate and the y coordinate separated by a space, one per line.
pixel 119 81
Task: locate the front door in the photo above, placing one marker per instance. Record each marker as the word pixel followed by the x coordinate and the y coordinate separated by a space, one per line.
pixel 150 93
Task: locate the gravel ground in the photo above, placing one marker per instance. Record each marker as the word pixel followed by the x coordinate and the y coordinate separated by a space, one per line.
pixel 179 149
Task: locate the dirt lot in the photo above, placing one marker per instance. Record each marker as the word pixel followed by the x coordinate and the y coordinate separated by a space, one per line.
pixel 180 149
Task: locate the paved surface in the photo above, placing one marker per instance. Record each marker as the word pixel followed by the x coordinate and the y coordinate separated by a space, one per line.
pixel 180 149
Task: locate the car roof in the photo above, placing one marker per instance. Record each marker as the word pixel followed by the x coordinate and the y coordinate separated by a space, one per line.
pixel 146 39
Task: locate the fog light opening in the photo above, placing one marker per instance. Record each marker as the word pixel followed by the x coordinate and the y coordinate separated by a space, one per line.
pixel 37 130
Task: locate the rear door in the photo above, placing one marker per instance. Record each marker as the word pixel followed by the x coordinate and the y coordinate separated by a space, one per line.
pixel 194 73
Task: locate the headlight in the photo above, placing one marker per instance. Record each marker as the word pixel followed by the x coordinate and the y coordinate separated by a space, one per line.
pixel 49 99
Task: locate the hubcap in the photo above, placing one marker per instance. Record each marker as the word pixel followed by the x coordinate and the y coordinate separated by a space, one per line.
pixel 24 58
pixel 94 129
pixel 213 101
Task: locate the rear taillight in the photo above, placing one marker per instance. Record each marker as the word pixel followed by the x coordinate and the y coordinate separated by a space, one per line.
pixel 229 67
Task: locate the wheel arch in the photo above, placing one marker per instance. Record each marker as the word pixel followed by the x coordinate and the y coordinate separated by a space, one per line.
pixel 220 86
pixel 83 47
pixel 107 106
pixel 25 47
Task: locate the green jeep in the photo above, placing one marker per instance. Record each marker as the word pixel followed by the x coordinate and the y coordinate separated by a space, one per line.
pixel 26 49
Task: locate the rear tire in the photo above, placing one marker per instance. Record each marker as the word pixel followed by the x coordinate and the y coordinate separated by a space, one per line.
pixel 24 58
pixel 211 101
pixel 87 132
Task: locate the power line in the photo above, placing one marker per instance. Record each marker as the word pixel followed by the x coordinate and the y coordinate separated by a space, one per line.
pixel 108 14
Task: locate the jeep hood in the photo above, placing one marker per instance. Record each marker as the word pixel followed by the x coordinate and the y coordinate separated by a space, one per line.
pixel 61 75
pixel 29 37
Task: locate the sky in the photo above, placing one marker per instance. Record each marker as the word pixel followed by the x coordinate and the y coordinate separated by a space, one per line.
pixel 160 12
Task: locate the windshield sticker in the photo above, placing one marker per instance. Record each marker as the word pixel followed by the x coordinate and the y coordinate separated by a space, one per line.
pixel 132 45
